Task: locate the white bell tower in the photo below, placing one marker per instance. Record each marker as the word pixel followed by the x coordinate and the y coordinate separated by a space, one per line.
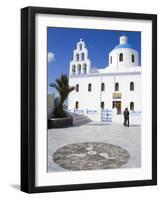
pixel 81 64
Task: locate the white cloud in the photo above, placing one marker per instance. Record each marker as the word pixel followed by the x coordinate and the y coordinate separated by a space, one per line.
pixel 51 57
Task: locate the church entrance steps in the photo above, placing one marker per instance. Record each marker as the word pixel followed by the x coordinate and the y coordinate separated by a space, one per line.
pixel 79 119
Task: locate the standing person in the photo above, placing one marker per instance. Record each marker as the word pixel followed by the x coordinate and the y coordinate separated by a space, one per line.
pixel 126 117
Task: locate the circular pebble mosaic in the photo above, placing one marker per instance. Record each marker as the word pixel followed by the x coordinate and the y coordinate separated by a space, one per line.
pixel 90 156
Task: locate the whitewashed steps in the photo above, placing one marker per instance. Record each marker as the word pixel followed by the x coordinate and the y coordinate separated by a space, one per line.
pixel 80 119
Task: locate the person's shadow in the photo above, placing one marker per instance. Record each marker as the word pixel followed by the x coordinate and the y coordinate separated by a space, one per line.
pixel 134 125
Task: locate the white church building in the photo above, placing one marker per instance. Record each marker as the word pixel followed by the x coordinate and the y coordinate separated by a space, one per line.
pixel 108 91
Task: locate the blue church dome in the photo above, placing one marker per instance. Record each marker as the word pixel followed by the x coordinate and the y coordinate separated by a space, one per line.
pixel 123 43
pixel 123 46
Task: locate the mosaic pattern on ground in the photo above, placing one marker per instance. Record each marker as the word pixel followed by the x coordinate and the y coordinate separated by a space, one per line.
pixel 90 156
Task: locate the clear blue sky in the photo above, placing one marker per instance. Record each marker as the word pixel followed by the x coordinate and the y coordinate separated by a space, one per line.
pixel 62 41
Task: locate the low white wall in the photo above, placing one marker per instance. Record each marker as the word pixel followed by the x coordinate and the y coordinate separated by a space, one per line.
pixel 133 119
pixel 96 115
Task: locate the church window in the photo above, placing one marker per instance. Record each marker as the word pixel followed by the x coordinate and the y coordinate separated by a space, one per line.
pixel 77 57
pixel 131 86
pixel 102 105
pixel 76 105
pixel 89 87
pixel 121 57
pixel 132 106
pixel 82 56
pixel 77 87
pixel 132 58
pixel 73 69
pixel 102 87
pixel 116 86
pixel 84 68
pixel 79 69
pixel 111 60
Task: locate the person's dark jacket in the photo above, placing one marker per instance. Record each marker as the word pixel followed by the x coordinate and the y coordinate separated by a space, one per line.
pixel 126 114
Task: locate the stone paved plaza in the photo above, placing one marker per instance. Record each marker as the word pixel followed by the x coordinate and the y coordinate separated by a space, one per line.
pixel 99 141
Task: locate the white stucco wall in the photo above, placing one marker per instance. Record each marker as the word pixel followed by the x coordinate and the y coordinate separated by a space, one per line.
pixel 91 100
